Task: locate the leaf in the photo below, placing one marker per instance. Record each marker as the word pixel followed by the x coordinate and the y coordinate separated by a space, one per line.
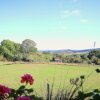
pixel 29 90
pixel 21 87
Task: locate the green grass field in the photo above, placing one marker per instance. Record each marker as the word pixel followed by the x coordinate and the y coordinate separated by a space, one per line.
pixel 10 75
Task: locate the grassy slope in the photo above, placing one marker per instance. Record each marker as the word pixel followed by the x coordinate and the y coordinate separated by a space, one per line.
pixel 10 75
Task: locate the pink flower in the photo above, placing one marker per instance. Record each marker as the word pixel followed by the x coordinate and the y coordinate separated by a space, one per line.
pixel 23 98
pixel 27 78
pixel 4 90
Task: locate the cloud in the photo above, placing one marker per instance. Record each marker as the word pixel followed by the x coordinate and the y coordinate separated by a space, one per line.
pixel 74 12
pixel 84 21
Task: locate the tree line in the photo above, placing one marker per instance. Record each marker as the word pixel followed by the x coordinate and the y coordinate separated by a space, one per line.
pixel 92 57
pixel 12 51
pixel 27 51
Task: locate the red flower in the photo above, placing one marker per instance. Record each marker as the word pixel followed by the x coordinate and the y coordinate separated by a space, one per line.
pixel 27 78
pixel 4 90
pixel 23 98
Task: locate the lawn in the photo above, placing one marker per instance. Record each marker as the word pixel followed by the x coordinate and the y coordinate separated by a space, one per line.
pixel 43 73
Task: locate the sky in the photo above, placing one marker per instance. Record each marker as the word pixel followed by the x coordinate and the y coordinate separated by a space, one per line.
pixel 52 24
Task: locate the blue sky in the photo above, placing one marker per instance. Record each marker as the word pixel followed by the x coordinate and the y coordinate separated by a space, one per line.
pixel 52 24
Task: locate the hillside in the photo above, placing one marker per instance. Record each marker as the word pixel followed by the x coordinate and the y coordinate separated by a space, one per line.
pixel 69 51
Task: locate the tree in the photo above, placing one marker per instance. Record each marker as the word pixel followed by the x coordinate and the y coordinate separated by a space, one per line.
pixel 18 48
pixel 15 52
pixel 9 49
pixel 95 53
pixel 94 56
pixel 28 46
pixel 6 53
pixel 10 45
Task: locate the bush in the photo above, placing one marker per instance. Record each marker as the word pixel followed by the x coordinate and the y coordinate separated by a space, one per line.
pixel 17 57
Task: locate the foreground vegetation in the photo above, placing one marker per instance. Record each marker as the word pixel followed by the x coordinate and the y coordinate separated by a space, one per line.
pixel 57 74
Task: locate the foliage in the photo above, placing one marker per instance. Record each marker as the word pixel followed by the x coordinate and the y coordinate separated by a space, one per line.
pixel 2 58
pixel 66 93
pixel 27 52
pixel 16 52
pixel 6 53
pixel 28 46
pixel 74 92
pixel 72 59
pixel 9 45
pixel 18 57
pixel 94 56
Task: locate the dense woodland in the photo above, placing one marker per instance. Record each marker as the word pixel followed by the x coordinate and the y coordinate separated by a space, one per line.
pixel 27 52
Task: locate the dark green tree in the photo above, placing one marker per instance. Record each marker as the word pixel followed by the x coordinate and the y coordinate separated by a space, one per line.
pixel 10 45
pixel 94 56
pixel 6 53
pixel 10 49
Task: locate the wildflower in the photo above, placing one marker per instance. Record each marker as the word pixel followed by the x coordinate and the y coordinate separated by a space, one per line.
pixel 27 78
pixel 23 98
pixel 4 91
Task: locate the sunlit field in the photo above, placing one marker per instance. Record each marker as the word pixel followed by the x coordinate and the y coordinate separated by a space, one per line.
pixel 43 73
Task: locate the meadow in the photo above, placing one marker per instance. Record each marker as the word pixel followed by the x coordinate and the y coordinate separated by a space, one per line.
pixel 42 73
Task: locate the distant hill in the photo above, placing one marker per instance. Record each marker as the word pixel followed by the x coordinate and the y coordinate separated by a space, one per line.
pixel 69 51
